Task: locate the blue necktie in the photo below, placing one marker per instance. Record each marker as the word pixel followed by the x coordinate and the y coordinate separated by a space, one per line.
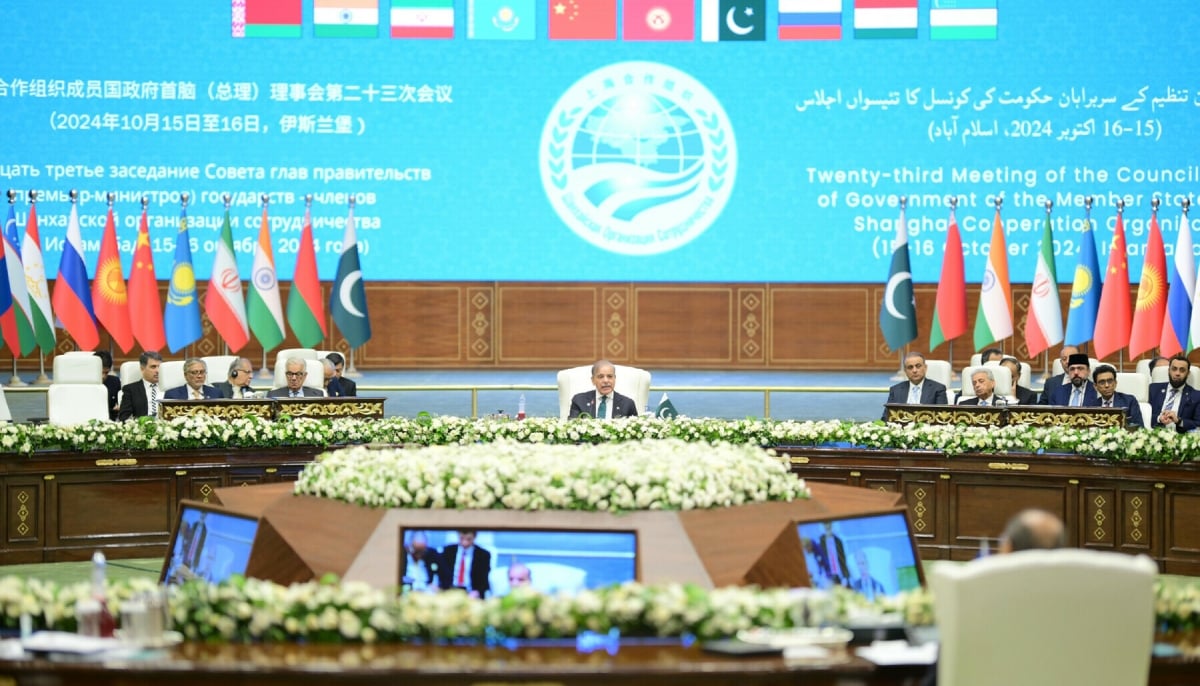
pixel 602 413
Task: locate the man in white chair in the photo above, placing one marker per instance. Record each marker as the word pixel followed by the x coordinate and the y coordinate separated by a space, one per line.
pixel 1105 380
pixel 604 402
pixel 918 390
pixel 241 372
pixel 295 372
pixel 984 383
pixel 195 374
pixel 1172 400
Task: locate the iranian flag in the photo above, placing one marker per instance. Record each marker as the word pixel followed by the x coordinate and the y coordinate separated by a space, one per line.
pixel 993 321
pixel 1044 325
pixel 223 301
pixel 264 311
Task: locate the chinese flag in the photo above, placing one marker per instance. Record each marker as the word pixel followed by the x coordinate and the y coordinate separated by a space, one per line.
pixel 145 305
pixel 109 297
pixel 665 20
pixel 1113 320
pixel 583 19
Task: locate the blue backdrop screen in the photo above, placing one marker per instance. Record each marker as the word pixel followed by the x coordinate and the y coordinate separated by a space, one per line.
pixel 684 140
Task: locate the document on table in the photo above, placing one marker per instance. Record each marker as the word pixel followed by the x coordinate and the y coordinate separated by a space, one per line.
pixel 899 653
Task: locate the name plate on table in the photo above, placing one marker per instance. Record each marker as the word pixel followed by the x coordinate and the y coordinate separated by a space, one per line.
pixel 225 408
pixel 330 408
pixel 1032 415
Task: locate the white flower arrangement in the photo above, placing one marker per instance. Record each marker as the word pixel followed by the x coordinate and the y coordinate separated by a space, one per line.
pixel 666 474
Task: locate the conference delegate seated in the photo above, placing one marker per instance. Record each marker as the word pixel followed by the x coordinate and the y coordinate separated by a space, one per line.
pixel 984 383
pixel 140 398
pixel 295 372
pixel 1078 392
pixel 195 373
pixel 1173 402
pixel 604 402
pixel 1057 380
pixel 237 385
pixel 918 390
pixel 1105 380
pixel 1024 396
pixel 336 385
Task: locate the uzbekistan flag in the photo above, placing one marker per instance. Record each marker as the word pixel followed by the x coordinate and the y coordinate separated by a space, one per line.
pixel 963 20
pixel 810 19
pixel 885 19
pixel 422 18
pixel 72 298
pixel 346 18
pixel 267 18
pixel 1179 294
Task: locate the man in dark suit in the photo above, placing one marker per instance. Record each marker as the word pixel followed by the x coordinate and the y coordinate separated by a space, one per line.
pixel 1079 392
pixel 1173 402
pixel 140 398
pixel 295 372
pixel 1058 379
pixel 195 373
pixel 419 566
pixel 1024 396
pixel 864 583
pixel 1105 380
pixel 465 566
pixel 604 402
pixel 337 385
pixel 918 389
pixel 984 383
pixel 237 387
pixel 831 556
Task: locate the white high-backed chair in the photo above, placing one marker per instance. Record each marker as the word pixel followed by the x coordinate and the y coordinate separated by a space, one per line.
pixel 631 382
pixel 315 378
pixel 218 367
pixel 1004 385
pixel 1137 385
pixel 1045 617
pixel 170 375
pixel 130 371
pixel 77 393
pixel 1160 375
pixel 5 413
pixel 941 372
pixel 302 353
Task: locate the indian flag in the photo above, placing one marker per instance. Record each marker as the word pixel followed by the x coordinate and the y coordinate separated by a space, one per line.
pixel 993 321
pixel 346 18
pixel 422 18
pixel 885 18
pixel 963 20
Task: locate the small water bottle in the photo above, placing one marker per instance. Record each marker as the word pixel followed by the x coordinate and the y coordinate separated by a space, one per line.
pixel 521 407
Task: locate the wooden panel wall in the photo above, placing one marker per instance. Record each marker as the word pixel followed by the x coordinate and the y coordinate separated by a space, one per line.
pixel 514 325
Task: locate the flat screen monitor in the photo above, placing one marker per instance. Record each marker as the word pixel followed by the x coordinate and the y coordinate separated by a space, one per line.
pixel 549 560
pixel 873 554
pixel 208 542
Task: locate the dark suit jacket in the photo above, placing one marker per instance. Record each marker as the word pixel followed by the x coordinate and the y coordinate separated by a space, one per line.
pixel 1185 405
pixel 1133 411
pixel 1025 396
pixel 1061 395
pixel 1048 389
pixel 585 403
pixel 430 567
pixel 342 387
pixel 932 393
pixel 113 384
pixel 821 552
pixel 184 393
pixel 481 566
pixel 226 389
pixel 975 401
pixel 134 402
pixel 282 392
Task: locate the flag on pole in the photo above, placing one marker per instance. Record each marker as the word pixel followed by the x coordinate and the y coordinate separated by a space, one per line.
pixel 182 317
pixel 1085 290
pixel 35 280
pixel 109 297
pixel 1152 294
pixel 1180 293
pixel 8 315
pixel 145 305
pixel 348 298
pixel 993 321
pixel 16 282
pixel 305 307
pixel 950 308
pixel 1114 316
pixel 666 409
pixel 224 301
pixel 898 312
pixel 72 298
pixel 1044 324
pixel 263 310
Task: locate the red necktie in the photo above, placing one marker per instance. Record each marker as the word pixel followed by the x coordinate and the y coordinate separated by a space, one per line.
pixel 462 568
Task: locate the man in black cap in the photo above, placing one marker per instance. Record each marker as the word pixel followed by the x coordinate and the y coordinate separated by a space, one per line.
pixel 1058 379
pixel 1078 392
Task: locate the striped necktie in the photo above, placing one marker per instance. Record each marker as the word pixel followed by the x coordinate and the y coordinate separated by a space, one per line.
pixel 153 399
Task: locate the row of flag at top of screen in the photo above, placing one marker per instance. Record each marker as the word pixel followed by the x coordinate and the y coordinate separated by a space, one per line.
pixel 133 311
pixel 640 20
pixel 1100 310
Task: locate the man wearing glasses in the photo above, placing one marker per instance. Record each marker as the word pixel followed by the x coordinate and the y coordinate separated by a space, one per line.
pixel 238 385
pixel 195 373
pixel 1105 379
pixel 296 371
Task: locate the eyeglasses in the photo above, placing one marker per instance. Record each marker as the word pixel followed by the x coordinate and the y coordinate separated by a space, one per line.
pixel 293 375
pixel 196 372
pixel 1105 382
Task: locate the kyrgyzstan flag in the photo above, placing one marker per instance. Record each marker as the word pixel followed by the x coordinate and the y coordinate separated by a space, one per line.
pixel 660 20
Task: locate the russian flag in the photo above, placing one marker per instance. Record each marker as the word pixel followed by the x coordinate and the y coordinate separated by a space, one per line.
pixel 1180 294
pixel 810 19
pixel 72 299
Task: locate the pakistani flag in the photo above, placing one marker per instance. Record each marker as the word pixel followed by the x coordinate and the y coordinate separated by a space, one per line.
pixel 733 20
pixel 898 314
pixel 348 298
pixel 665 409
